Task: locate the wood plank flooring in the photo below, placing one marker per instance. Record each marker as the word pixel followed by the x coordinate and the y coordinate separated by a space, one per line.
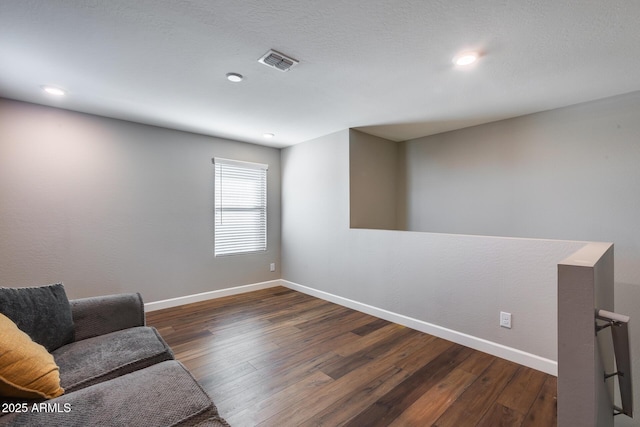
pixel 277 357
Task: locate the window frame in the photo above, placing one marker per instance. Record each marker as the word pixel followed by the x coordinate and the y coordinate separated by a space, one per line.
pixel 244 201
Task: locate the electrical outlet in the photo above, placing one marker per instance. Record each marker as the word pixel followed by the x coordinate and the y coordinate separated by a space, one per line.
pixel 505 320
pixel 272 266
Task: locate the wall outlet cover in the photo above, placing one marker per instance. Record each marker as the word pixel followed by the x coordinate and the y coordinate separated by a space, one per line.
pixel 505 320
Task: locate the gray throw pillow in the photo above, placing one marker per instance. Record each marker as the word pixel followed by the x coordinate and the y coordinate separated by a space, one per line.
pixel 43 313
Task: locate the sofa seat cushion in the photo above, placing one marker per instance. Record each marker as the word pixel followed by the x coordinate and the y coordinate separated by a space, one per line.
pixel 164 394
pixel 104 357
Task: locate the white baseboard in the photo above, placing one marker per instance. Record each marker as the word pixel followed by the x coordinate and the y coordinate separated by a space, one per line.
pixel 188 299
pixel 518 356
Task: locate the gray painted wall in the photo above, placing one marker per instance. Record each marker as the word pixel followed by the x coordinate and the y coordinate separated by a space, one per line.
pixel 571 173
pixel 458 282
pixel 373 181
pixel 107 206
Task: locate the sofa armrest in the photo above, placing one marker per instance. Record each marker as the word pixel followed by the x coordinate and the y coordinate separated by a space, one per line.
pixel 101 315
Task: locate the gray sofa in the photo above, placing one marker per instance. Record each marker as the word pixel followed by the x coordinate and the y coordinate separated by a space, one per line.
pixel 115 370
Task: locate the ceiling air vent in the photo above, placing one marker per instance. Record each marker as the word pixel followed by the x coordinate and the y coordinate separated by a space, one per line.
pixel 278 61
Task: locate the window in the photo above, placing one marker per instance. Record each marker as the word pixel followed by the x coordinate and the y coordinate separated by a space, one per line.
pixel 240 207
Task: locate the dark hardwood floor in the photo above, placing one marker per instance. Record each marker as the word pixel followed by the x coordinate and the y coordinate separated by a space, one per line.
pixel 277 357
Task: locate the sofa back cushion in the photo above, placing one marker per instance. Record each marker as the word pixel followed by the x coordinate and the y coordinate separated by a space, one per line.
pixel 27 370
pixel 42 312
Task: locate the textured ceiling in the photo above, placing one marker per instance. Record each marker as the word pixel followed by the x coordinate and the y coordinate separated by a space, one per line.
pixel 381 66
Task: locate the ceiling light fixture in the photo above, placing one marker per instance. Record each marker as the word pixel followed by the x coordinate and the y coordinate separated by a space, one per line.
pixel 268 135
pixel 465 58
pixel 52 90
pixel 234 77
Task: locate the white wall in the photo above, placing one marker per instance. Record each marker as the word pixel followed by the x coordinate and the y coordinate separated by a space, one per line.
pixel 107 206
pixel 456 282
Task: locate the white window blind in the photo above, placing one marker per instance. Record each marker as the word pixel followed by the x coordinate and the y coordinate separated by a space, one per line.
pixel 240 207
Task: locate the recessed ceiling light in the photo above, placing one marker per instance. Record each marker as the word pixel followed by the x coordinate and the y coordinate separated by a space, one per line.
pixel 234 77
pixel 268 135
pixel 52 90
pixel 465 58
